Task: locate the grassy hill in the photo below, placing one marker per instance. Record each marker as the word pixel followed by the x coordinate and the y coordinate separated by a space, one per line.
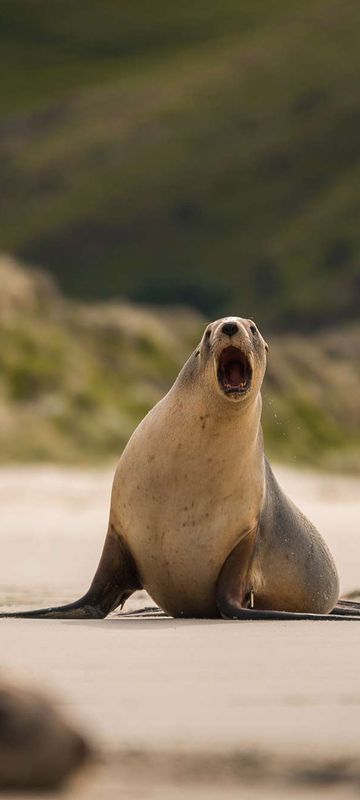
pixel 76 378
pixel 202 153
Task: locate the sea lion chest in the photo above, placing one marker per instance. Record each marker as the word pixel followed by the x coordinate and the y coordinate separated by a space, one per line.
pixel 184 495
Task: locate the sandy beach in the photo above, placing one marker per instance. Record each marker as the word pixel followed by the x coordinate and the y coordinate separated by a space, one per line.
pixel 168 690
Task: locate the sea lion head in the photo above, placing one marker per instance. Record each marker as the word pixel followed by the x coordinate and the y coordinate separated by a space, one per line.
pixel 232 358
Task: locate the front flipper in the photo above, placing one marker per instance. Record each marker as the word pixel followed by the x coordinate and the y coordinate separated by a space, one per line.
pixel 234 593
pixel 115 580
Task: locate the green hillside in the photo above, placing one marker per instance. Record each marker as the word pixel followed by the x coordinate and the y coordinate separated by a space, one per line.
pixel 204 153
pixel 76 378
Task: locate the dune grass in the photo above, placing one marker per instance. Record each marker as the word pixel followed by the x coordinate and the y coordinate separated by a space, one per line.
pixel 75 379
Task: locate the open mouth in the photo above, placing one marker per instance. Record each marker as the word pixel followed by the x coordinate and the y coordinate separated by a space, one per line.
pixel 234 371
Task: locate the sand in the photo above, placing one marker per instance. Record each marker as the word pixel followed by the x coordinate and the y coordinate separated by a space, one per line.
pixel 287 693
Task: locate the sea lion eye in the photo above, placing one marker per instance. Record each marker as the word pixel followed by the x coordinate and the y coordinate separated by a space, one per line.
pixel 253 329
pixel 208 334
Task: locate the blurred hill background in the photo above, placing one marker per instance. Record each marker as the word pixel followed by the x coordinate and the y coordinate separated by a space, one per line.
pixel 198 154
pixel 76 378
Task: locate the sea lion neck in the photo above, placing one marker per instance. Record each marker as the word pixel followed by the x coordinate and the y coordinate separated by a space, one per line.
pixel 201 415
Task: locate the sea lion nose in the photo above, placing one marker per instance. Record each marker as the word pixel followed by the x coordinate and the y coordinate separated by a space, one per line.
pixel 230 328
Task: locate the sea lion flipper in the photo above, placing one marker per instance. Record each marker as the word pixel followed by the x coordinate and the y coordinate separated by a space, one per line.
pixel 114 581
pixel 231 612
pixel 233 590
pixel 346 608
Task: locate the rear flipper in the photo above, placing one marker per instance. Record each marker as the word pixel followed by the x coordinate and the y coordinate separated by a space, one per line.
pixel 115 580
pixel 346 608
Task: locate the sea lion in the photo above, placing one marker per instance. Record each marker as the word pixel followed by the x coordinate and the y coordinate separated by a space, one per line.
pixel 197 517
pixel 38 748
